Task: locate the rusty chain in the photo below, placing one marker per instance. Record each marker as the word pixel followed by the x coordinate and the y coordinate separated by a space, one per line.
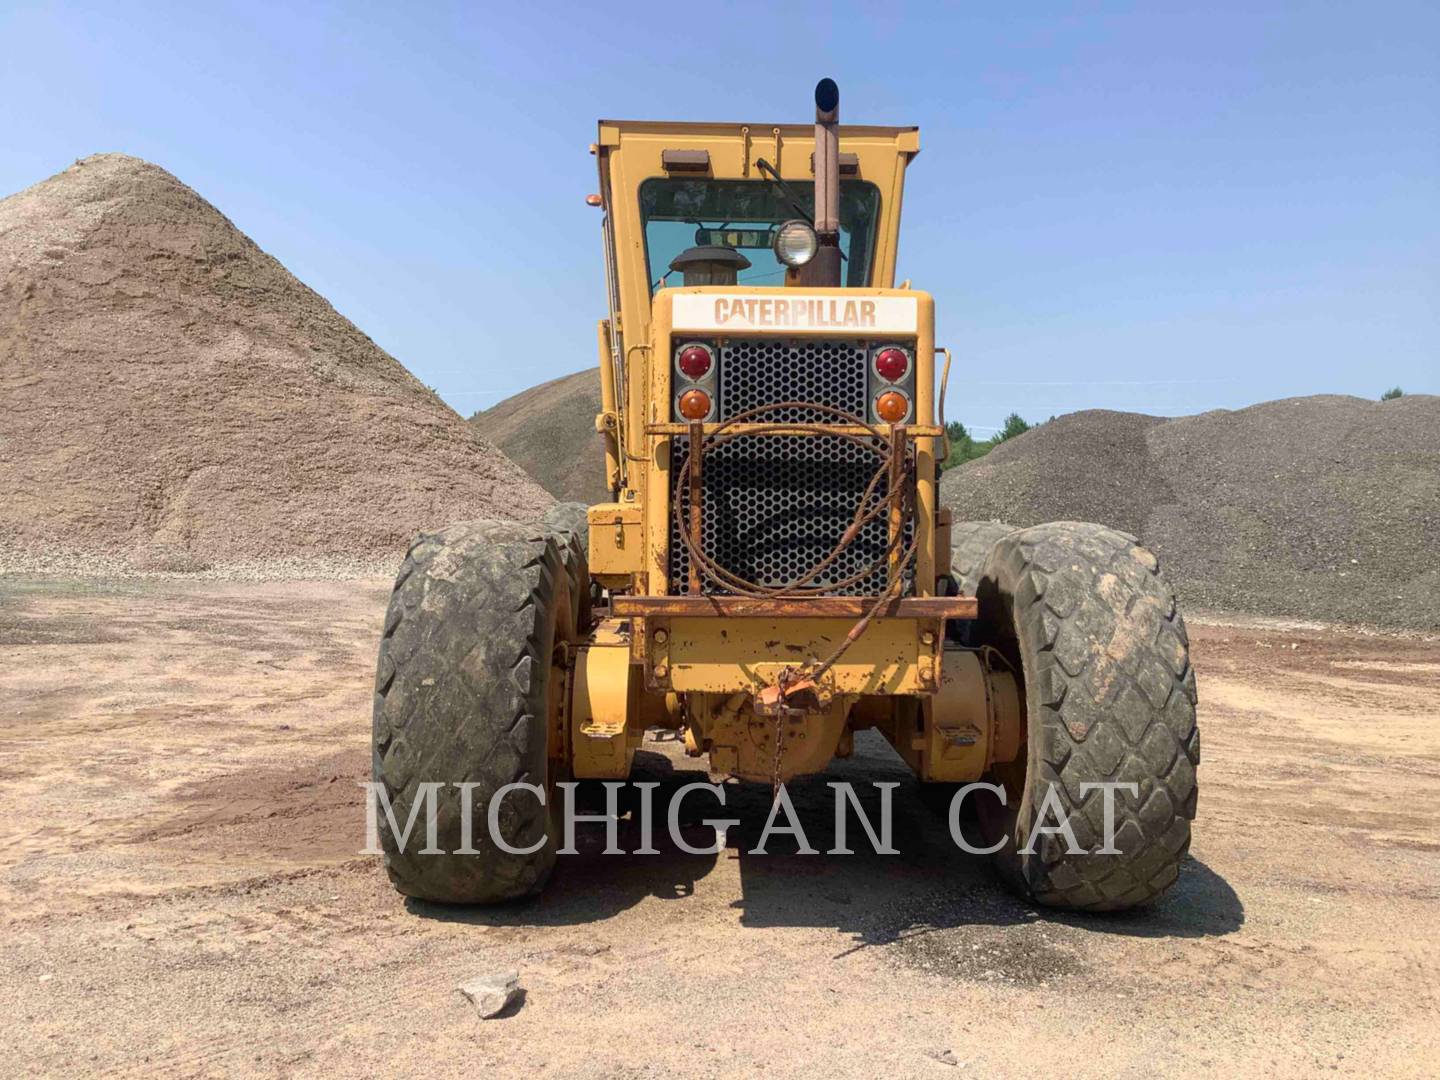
pixel 899 496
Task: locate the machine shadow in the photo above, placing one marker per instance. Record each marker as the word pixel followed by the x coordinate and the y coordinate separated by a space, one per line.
pixel 590 885
pixel 875 899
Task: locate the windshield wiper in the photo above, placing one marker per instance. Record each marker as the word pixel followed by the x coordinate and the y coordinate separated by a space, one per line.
pixel 774 177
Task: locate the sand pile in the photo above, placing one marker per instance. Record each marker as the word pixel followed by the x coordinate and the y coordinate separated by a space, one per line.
pixel 1318 507
pixel 173 398
pixel 549 430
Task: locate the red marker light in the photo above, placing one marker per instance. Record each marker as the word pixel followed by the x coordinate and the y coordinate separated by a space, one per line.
pixel 892 364
pixel 694 362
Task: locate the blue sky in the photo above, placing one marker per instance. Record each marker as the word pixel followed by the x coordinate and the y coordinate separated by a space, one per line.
pixel 1159 207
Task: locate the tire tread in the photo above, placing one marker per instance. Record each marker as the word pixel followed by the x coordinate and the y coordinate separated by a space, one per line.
pixel 460 678
pixel 1111 697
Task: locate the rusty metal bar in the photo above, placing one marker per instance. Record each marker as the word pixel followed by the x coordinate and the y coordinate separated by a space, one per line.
pixel 697 495
pixel 928 431
pixel 805 607
pixel 893 487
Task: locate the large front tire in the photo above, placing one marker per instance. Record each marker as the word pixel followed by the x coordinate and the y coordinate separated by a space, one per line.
pixel 571 521
pixel 1085 615
pixel 466 692
pixel 970 544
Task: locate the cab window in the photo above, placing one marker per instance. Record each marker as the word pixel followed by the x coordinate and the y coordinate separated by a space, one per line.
pixel 743 214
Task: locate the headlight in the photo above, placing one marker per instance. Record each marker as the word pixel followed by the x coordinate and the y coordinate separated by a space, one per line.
pixel 795 243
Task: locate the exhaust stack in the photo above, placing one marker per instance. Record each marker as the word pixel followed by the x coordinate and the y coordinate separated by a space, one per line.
pixel 824 269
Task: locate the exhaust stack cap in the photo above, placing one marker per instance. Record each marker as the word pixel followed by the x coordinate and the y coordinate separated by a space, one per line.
pixel 827 102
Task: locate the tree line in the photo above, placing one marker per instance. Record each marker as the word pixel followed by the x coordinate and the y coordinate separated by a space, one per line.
pixel 965 447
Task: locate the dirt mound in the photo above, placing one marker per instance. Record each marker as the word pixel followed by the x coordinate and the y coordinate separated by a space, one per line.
pixel 549 430
pixel 174 398
pixel 1318 507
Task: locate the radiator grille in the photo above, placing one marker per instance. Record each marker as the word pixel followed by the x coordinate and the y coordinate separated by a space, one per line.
pixel 755 372
pixel 774 506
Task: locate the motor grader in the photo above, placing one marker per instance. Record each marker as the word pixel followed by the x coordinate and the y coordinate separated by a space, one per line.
pixel 773 573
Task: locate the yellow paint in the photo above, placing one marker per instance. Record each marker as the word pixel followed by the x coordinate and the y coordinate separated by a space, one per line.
pixel 745 654
pixel 605 712
pixel 944 521
pixel 956 734
pixel 616 541
pixel 607 422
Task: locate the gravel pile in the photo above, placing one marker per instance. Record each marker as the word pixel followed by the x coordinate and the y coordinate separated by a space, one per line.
pixel 1319 507
pixel 175 400
pixel 549 430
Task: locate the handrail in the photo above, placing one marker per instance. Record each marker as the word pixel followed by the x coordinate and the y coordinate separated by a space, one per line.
pixel 944 431
pixel 628 350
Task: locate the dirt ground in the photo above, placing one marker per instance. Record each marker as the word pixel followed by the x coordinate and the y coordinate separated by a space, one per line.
pixel 182 894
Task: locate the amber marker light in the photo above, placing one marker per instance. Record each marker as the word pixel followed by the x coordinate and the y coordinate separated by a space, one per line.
pixel 891 406
pixel 694 405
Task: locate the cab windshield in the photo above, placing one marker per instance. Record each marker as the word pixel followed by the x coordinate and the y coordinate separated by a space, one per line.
pixel 743 214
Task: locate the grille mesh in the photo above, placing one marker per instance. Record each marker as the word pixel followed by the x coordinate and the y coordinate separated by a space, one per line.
pixel 755 372
pixel 776 505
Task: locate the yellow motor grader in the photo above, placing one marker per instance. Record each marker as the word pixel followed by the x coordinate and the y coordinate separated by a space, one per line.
pixel 774 571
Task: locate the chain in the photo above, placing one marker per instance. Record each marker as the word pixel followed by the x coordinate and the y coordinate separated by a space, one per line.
pixel 779 753
pixel 784 681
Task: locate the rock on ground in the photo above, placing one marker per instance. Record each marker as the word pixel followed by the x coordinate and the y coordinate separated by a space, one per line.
pixel 490 994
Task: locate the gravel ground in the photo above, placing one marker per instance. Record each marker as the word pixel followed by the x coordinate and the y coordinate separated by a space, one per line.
pixel 51 561
pixel 549 431
pixel 1319 507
